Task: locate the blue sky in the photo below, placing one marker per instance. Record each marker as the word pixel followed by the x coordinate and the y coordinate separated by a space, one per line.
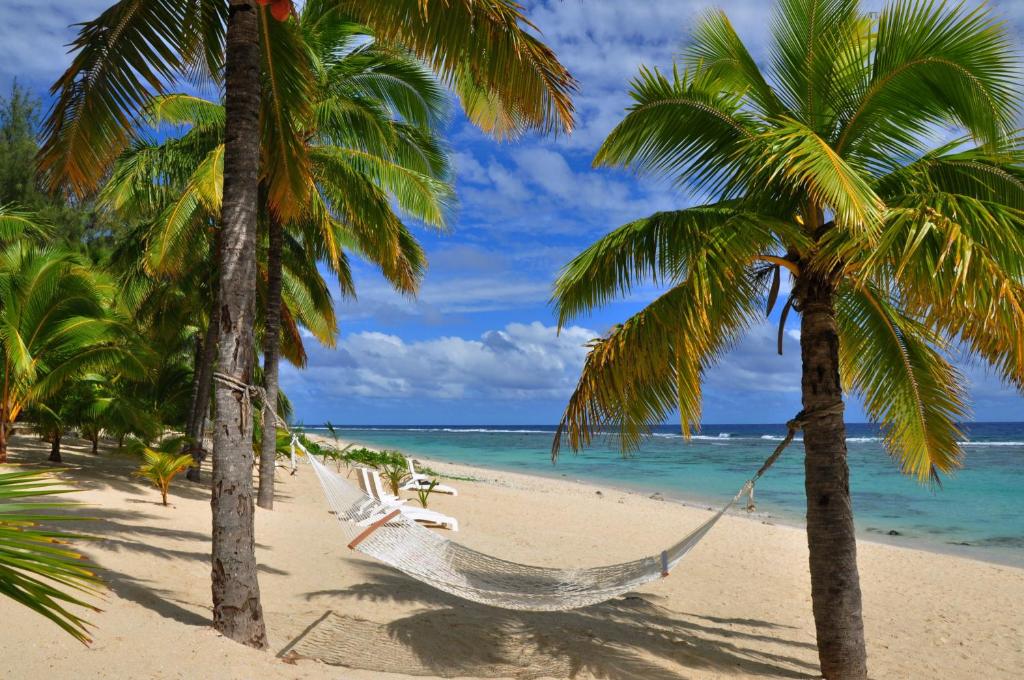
pixel 479 346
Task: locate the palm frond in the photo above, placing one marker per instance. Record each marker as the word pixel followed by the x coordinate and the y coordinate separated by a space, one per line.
pixel 180 225
pixel 686 128
pixel 932 64
pixel 123 57
pixel 38 568
pixel 488 41
pixel 16 224
pixel 663 249
pixel 652 364
pixel 420 196
pixel 810 41
pixel 792 154
pixel 181 109
pixel 895 363
pixel 287 93
pixel 715 47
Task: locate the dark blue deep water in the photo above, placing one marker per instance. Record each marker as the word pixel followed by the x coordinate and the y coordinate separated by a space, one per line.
pixel 978 511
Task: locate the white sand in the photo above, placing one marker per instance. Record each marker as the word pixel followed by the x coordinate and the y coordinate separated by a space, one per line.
pixel 737 607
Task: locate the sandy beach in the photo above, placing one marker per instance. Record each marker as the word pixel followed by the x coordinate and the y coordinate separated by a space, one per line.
pixel 737 607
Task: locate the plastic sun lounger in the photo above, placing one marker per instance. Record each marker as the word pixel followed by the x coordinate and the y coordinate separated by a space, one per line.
pixel 370 482
pixel 418 480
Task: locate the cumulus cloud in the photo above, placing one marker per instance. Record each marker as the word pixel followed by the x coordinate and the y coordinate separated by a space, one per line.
pixel 521 361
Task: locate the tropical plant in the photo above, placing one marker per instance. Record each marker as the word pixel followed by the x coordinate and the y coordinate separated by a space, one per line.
pixel 174 186
pixel 823 166
pixel 394 469
pixel 50 422
pixel 38 569
pixel 119 406
pixel 364 456
pixel 162 464
pixel 74 225
pixel 508 81
pixel 423 492
pixel 370 140
pixel 54 327
pixel 17 224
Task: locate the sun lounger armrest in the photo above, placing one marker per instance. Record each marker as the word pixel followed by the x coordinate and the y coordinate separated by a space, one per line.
pixel 373 527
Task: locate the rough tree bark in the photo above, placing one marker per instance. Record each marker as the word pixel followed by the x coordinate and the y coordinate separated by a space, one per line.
pixel 271 347
pixel 237 612
pixel 835 582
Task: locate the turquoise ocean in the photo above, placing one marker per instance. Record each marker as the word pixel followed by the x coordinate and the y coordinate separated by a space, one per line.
pixel 977 512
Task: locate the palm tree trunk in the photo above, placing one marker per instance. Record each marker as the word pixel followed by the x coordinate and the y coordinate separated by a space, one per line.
pixel 55 450
pixel 271 345
pixel 237 612
pixel 197 419
pixel 197 361
pixel 835 583
pixel 3 415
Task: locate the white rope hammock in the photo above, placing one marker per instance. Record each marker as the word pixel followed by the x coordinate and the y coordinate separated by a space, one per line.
pixel 382 532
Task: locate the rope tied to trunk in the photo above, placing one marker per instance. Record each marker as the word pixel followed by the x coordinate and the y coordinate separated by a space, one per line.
pixel 248 392
pixel 792 427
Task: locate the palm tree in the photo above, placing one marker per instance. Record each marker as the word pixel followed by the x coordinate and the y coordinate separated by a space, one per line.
pixel 369 138
pixel 169 262
pixel 162 463
pixel 898 249
pixel 370 141
pixel 54 327
pixel 508 82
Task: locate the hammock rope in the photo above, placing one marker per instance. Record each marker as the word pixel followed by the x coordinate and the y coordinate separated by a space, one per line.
pixel 380 531
pixel 248 393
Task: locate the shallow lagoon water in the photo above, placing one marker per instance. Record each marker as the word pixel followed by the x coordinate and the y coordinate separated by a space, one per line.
pixel 978 512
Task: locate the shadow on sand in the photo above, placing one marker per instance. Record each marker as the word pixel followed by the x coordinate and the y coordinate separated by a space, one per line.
pixel 130 531
pixel 630 637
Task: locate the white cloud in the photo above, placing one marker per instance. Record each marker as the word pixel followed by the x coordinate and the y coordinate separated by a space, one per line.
pixel 518 362
pixel 35 34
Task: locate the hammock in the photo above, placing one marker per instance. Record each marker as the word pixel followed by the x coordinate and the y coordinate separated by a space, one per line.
pixel 382 532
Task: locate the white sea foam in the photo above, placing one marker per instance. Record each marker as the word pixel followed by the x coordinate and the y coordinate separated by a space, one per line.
pixel 992 443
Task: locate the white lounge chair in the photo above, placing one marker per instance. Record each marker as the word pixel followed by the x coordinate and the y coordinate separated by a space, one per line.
pixel 418 480
pixel 370 483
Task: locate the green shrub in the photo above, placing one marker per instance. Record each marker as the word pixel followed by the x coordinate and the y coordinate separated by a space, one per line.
pixel 161 467
pixel 424 491
pixel 395 469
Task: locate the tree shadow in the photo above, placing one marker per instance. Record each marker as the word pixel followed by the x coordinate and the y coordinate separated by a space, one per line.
pixel 163 602
pixel 629 637
pixel 80 466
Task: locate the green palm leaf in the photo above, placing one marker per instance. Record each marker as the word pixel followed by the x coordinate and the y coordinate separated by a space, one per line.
pixel 486 42
pixel 123 57
pixel 38 569
pixel 894 362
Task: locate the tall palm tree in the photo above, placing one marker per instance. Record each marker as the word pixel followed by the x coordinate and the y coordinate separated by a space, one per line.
pixel 508 81
pixel 369 138
pixel 175 186
pixel 898 249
